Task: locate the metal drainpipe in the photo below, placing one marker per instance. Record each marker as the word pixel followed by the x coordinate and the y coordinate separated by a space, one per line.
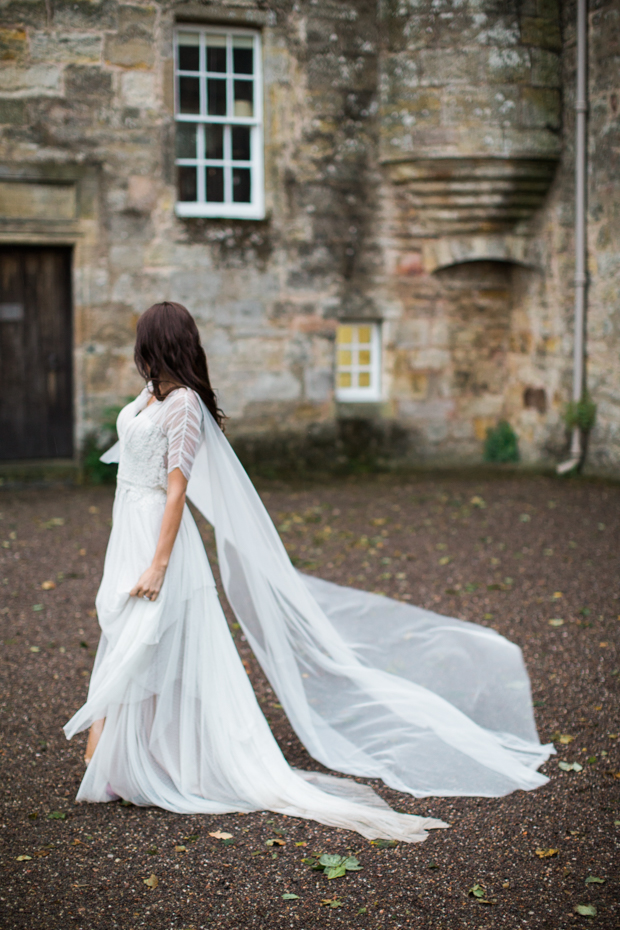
pixel 581 108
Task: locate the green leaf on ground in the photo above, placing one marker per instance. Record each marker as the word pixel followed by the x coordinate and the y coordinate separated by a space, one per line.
pixel 593 880
pixel 56 815
pixel 384 844
pixel 290 897
pixel 586 910
pixel 570 766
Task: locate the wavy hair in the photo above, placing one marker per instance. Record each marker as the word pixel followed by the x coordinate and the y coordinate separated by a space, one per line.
pixel 168 349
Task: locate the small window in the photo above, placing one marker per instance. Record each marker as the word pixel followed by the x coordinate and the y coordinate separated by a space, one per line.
pixel 358 355
pixel 219 137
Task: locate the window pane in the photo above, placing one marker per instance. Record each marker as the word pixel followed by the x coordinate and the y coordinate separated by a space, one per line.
pixel 186 140
pixel 345 334
pixel 241 185
pixel 244 98
pixel 364 379
pixel 216 96
pixel 363 334
pixel 189 51
pixel 241 143
pixel 189 95
pixel 216 53
pixel 187 183
pixel 344 379
pixel 214 141
pixel 243 55
pixel 215 185
pixel 344 357
pixel 364 357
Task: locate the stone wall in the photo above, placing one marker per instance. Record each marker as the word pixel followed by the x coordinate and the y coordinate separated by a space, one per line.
pixel 411 166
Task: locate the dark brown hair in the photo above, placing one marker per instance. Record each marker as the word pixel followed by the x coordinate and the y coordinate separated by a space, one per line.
pixel 168 349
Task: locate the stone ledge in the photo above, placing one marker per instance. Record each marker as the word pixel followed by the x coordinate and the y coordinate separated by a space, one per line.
pixel 216 13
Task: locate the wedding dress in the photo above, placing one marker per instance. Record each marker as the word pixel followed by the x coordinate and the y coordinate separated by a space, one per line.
pixel 373 687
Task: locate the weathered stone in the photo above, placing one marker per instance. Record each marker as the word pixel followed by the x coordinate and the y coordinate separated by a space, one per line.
pixel 13 44
pixel 12 112
pixel 540 107
pixel 73 47
pixel 23 12
pixel 86 85
pixel 409 174
pixel 129 51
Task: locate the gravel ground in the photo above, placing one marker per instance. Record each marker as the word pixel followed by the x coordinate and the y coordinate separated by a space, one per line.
pixel 518 554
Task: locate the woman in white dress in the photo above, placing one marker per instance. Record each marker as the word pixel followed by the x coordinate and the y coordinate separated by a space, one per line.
pixel 374 688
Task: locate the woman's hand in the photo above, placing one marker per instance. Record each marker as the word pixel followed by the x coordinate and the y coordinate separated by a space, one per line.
pixel 149 583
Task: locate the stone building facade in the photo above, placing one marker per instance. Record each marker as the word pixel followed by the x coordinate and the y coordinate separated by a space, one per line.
pixel 417 159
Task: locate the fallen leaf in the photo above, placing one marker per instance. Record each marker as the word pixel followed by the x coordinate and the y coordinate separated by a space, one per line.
pixel 180 848
pixel 570 766
pixel 301 844
pixel 35 649
pixel 384 844
pixel 48 585
pixel 556 621
pixel 478 892
pixel 38 607
pixel 362 910
pixel 445 560
pixel 546 853
pixel 23 858
pixel 271 842
pixel 586 910
pixel 290 897
pixel 151 882
pixel 332 902
pixel 593 880
pixel 82 552
pixel 56 815
pixel 557 595
pixel 221 836
pixel 524 518
pixel 477 501
pixel 565 739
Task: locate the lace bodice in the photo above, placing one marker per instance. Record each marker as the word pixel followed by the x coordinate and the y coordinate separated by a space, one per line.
pixel 157 438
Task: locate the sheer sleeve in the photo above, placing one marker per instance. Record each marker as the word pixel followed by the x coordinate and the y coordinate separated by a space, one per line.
pixel 182 424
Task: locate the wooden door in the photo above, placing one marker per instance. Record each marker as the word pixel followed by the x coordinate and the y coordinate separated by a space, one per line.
pixel 36 358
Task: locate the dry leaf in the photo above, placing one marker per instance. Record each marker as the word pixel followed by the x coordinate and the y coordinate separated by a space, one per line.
pixel 565 739
pixel 546 853
pixel 24 858
pixel 151 882
pixel 221 836
pixel 180 848
pixel 48 585
pixel 275 842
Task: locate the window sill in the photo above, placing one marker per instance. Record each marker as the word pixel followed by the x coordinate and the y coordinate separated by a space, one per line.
pixel 228 211
pixel 357 397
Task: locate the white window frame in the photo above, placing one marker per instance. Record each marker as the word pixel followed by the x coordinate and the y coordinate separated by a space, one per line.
pixel 255 209
pixel 356 394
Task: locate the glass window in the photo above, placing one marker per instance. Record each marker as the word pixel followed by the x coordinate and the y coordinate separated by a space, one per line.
pixel 219 147
pixel 358 361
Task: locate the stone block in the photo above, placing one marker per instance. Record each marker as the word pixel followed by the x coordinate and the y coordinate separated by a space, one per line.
pixel 546 68
pixel 508 66
pixel 13 112
pixel 75 47
pixel 38 80
pixel 141 194
pixel 23 200
pixel 129 51
pixel 462 66
pixel 138 90
pixel 13 44
pixel 541 32
pixel 92 86
pixel 540 108
pixel 24 12
pixel 272 386
pixel 318 384
pixel 81 14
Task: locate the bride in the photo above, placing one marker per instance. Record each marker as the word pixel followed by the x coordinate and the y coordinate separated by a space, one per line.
pixel 432 705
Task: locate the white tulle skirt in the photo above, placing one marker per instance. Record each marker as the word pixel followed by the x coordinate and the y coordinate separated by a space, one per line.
pixel 183 729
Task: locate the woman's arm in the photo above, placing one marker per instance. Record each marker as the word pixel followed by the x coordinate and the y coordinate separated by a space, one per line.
pixel 150 581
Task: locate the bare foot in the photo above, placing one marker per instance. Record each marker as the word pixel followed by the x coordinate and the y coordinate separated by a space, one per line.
pixel 93 738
